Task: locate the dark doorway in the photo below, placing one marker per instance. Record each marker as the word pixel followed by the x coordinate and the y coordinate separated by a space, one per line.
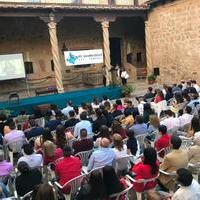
pixel 115 51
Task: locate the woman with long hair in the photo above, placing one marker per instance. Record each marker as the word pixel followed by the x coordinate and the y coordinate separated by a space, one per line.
pixel 195 127
pixel 159 96
pixel 117 128
pixel 148 168
pixel 94 189
pixel 45 191
pixel 111 182
pixel 120 149
pixel 60 136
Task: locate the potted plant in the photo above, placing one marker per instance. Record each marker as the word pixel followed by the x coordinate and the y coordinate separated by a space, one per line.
pixel 151 79
pixel 126 90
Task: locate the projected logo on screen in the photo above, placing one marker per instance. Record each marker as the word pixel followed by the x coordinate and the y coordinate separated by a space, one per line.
pixel 11 66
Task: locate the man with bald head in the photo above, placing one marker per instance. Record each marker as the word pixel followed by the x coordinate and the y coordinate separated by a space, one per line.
pixel 103 156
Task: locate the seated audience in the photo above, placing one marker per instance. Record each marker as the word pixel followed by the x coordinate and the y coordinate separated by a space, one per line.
pixel 163 141
pixel 84 123
pixel 119 105
pixel 95 104
pixel 130 107
pixel 194 128
pixel 5 166
pixel 174 160
pixel 46 135
pixel 3 123
pixel 132 144
pixel 28 179
pixel 116 112
pixel 50 152
pixel 72 121
pixel 147 112
pixel 195 85
pixel 103 133
pixel 45 191
pixel 159 96
pixel 169 94
pixel 190 89
pixel 149 94
pixel 30 157
pixel 140 127
pixel 101 120
pixel 170 122
pixel 103 156
pixel 68 168
pixel 53 121
pixel 147 169
pixel 189 187
pixel 14 134
pixel 128 120
pixel 112 183
pixel 120 149
pixel 194 151
pixel 186 118
pixel 194 101
pixel 93 189
pixel 61 140
pixel 117 128
pixel 33 131
pixel 68 108
pixel 83 144
pixel 154 123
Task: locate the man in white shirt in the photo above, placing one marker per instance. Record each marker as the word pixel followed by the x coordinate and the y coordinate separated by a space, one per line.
pixel 189 189
pixel 68 108
pixel 83 124
pixel 32 159
pixel 170 122
pixel 141 105
pixel 195 85
pixel 186 118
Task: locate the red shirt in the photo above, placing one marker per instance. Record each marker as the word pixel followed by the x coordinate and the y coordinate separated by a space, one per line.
pixel 158 99
pixel 67 169
pixel 143 171
pixel 162 142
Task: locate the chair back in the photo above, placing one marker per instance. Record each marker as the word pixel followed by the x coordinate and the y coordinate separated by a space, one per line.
pixel 119 117
pixel 125 141
pixel 40 122
pixel 173 130
pixel 16 146
pixel 84 156
pixel 186 143
pixel 123 164
pixel 75 184
pixel 27 196
pixel 166 150
pixel 124 193
pixel 141 140
pixel 161 106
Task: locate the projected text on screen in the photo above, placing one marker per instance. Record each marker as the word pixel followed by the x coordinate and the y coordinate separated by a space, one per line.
pixel 11 67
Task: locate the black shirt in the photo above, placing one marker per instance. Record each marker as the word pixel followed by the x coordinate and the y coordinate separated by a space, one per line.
pixel 27 182
pixel 98 123
pixel 132 145
pixel 71 122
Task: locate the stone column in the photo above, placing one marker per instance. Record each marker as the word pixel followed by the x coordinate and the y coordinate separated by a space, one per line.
pixel 55 52
pixel 106 48
pixel 148 48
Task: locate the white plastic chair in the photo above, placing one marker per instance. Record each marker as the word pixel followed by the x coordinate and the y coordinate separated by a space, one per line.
pixel 125 141
pixel 84 156
pixel 123 163
pixel 124 193
pixel 27 196
pixel 144 181
pixel 14 147
pixel 195 169
pixel 186 143
pixel 74 184
pixel 141 140
pixel 165 150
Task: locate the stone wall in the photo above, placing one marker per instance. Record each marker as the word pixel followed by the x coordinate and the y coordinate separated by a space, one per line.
pixel 174 40
pixel 30 36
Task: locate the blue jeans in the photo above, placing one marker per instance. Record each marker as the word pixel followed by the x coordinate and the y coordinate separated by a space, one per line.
pixel 4 190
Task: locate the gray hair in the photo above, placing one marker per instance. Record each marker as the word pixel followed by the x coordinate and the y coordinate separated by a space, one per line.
pixel 1 155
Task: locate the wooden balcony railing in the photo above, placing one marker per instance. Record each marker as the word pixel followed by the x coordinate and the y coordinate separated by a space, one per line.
pixel 99 3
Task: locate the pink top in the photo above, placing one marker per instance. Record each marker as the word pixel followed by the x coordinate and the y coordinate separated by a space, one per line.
pixel 5 168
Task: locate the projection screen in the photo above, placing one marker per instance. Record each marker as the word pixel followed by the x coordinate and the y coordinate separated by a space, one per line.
pixel 11 66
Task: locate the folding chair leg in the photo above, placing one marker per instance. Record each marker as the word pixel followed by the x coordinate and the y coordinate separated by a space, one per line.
pixel 11 157
pixel 139 195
